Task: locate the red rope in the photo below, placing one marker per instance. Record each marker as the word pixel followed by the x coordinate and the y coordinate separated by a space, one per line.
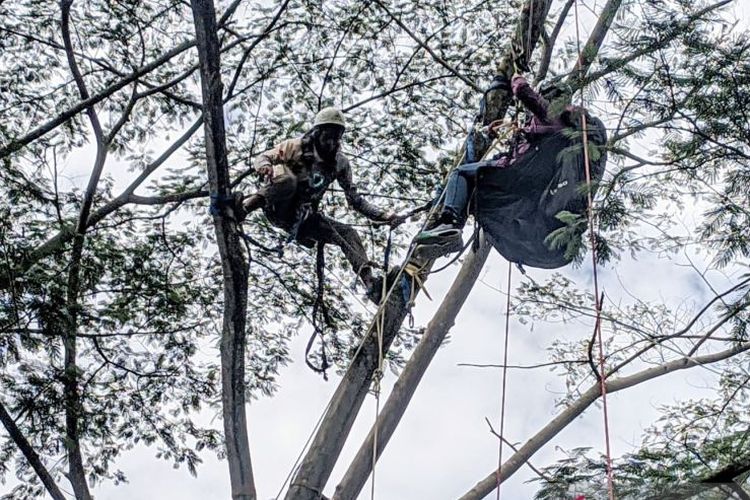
pixel 592 239
pixel 502 397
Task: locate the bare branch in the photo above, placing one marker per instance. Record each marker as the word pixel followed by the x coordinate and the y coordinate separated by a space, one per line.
pixel 577 407
pixel 527 367
pixel 429 50
pixel 31 455
pixel 52 124
pixel 549 42
pixel 514 448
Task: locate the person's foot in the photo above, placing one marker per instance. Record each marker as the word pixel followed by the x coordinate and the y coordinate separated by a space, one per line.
pixel 375 289
pixel 439 241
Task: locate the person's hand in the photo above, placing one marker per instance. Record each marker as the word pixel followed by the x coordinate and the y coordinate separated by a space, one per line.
pixel 495 126
pixel 264 172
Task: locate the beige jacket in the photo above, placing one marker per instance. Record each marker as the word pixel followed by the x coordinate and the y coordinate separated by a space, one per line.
pixel 287 158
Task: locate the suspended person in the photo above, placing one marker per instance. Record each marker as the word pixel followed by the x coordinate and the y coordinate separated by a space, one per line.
pixel 299 172
pixel 517 196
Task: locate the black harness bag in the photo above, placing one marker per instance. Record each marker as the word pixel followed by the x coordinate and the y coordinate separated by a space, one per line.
pixel 517 206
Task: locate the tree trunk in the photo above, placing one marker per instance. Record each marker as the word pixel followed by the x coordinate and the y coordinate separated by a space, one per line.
pixel 233 263
pixel 407 383
pixel 326 446
pixel 31 456
pixel 69 326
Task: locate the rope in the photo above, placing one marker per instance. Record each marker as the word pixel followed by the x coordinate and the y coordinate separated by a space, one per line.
pixel 504 379
pixel 378 375
pixel 319 309
pixel 379 318
pixel 597 299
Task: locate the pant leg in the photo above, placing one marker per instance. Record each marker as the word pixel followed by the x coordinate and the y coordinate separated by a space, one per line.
pixel 280 199
pixel 329 231
pixel 459 187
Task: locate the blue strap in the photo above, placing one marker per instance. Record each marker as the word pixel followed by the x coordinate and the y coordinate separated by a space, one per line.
pixel 218 203
pixel 406 288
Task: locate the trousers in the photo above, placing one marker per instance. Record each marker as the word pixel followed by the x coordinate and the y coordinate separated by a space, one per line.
pixel 282 208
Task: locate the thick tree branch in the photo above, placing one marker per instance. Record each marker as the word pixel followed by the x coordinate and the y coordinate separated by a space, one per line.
pixel 31 455
pixel 591 50
pixel 577 407
pixel 233 263
pixel 406 385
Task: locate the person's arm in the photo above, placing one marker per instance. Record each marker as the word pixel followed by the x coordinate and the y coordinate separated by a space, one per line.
pixel 283 152
pixel 530 98
pixel 355 199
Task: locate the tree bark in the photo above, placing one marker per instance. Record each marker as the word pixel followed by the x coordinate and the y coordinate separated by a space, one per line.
pixel 233 262
pixel 318 463
pixel 407 383
pixel 586 399
pixel 31 456
pixel 72 396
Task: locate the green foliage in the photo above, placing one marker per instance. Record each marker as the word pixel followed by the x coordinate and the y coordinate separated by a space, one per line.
pixel 150 301
pixel 691 442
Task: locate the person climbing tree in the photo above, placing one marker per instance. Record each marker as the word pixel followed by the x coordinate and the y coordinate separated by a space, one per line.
pixel 299 172
pixel 541 176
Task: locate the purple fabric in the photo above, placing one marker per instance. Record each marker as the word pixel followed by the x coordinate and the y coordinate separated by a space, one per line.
pixel 540 124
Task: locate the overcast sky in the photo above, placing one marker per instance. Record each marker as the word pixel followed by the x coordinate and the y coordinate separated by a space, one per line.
pixel 443 446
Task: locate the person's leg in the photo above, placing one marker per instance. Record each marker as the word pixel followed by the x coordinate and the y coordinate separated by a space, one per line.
pixel 277 199
pixel 326 230
pixel 445 234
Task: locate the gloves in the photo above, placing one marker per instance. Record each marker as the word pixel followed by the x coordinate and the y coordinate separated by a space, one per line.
pixel 265 172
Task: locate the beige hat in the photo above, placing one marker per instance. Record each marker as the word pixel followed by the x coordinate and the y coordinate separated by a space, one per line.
pixel 329 116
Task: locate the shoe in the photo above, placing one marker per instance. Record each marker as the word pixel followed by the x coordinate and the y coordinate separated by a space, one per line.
pixel 442 240
pixel 244 206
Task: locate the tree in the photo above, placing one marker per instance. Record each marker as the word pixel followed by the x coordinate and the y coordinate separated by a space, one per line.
pixel 111 290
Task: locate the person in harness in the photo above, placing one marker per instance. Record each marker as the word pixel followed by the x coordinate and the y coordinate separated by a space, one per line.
pixel 518 195
pixel 299 172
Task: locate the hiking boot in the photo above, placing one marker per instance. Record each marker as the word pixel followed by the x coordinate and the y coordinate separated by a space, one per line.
pixel 375 290
pixel 439 241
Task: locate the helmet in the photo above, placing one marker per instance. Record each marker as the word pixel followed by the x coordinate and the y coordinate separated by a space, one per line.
pixel 329 116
